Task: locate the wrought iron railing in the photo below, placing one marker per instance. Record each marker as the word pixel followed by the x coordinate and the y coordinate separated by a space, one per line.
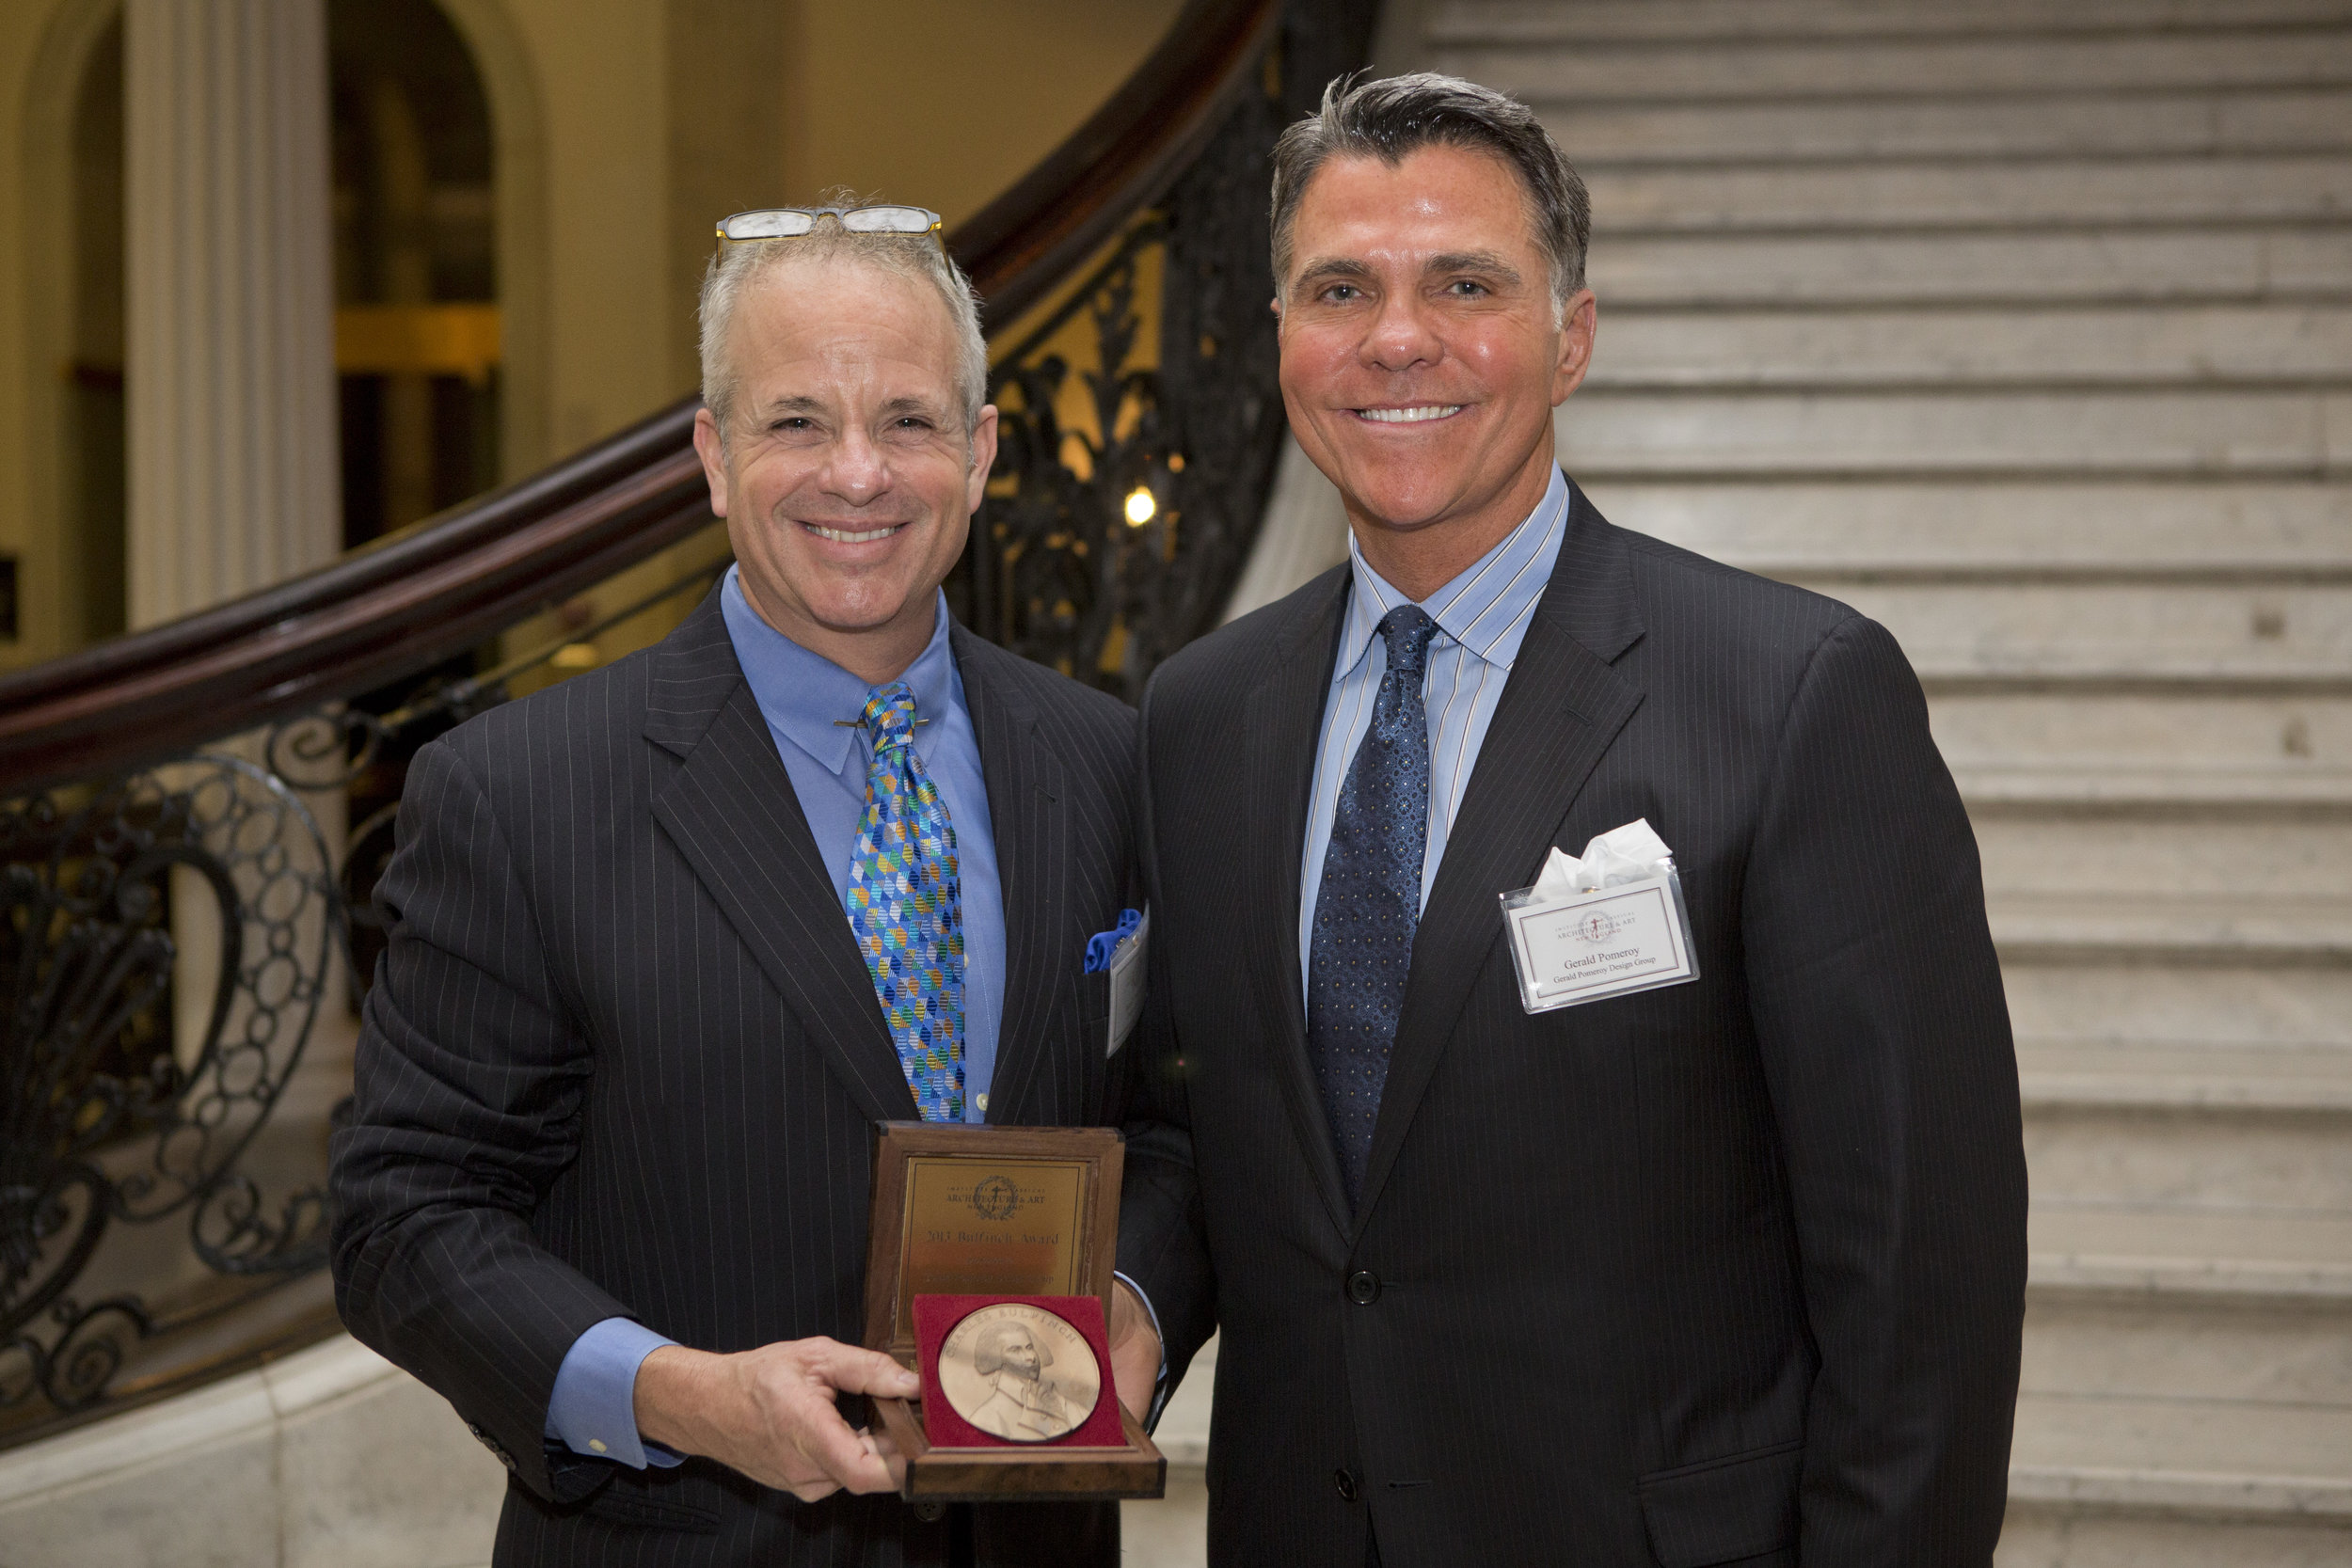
pixel 193 816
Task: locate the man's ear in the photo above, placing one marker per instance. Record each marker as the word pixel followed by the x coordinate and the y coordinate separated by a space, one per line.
pixel 983 458
pixel 708 447
pixel 1579 323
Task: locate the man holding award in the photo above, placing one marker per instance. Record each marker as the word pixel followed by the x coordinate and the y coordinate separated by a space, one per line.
pixel 668 940
pixel 1584 1103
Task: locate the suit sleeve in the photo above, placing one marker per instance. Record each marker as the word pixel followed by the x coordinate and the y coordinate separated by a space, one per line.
pixel 1885 1040
pixel 1162 1239
pixel 466 1106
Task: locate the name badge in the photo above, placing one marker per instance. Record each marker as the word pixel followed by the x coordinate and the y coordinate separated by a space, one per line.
pixel 1582 946
pixel 1128 984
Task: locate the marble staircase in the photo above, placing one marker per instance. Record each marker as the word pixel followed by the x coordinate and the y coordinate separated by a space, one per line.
pixel 2026 328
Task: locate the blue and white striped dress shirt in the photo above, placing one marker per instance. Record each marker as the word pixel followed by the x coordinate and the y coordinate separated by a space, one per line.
pixel 1482 618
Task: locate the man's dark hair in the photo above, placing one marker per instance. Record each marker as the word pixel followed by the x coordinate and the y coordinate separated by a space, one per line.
pixel 1393 117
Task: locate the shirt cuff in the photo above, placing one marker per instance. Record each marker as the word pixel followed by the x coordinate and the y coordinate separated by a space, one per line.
pixel 594 1408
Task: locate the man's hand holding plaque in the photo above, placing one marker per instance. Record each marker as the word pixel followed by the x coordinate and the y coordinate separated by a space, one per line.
pixel 989 1274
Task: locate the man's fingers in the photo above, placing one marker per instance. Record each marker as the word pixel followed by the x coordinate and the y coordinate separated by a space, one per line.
pixel 1136 1374
pixel 827 1442
pixel 1134 1354
pixel 864 1371
pixel 1126 1315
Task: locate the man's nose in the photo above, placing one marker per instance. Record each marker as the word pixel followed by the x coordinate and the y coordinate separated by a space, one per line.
pixel 856 469
pixel 1402 336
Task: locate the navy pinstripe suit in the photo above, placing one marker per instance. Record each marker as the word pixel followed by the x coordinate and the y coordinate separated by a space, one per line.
pixel 1725 1272
pixel 623 1056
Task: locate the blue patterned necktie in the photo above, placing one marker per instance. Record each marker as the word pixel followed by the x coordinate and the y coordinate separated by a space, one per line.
pixel 906 908
pixel 1369 906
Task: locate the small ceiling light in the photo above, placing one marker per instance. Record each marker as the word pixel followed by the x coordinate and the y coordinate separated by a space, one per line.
pixel 1140 506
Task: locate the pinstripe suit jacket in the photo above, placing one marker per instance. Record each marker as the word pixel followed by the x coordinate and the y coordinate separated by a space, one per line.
pixel 1725 1272
pixel 623 1056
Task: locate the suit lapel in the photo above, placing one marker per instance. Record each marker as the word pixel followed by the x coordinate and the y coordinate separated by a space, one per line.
pixel 1562 707
pixel 731 811
pixel 1030 818
pixel 1282 724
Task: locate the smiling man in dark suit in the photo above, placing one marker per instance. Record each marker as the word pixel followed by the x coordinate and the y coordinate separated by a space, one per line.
pixel 666 939
pixel 1729 1271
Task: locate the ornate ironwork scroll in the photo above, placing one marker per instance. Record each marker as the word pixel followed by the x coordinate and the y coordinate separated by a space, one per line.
pixel 1062 570
pixel 169 954
pixel 107 1120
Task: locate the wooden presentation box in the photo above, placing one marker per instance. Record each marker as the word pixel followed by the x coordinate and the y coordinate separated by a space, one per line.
pixel 1001 1211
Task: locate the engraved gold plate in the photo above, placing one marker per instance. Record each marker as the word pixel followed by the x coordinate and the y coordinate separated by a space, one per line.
pixel 981 1227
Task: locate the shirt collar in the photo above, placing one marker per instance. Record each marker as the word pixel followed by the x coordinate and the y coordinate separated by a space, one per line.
pixel 801 693
pixel 1481 608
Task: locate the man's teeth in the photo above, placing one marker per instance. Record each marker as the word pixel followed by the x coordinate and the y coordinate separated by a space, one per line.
pixel 1410 416
pixel 846 537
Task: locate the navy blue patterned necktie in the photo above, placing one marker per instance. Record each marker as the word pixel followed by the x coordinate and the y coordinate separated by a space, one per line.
pixel 1369 906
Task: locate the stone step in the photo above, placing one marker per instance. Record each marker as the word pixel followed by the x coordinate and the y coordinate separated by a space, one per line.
pixel 2154 1518
pixel 2059 193
pixel 2177 1258
pixel 2055 62
pixel 2077 628
pixel 1976 346
pixel 1583 22
pixel 2032 125
pixel 2290 1352
pixel 2167 265
pixel 2208 1458
pixel 2295 1161
pixel 2122 999
pixel 2294 743
pixel 2186 932
pixel 1611 436
pixel 2243 791
pixel 2177 1075
pixel 2041 853
pixel 2269 531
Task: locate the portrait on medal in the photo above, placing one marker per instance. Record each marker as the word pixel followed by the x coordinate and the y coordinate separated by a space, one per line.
pixel 1020 1374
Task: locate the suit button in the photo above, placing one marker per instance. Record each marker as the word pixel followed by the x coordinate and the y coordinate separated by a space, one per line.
pixel 1363 1286
pixel 1346 1484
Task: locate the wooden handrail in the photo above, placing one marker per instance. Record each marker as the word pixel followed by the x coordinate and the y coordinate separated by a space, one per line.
pixel 401 606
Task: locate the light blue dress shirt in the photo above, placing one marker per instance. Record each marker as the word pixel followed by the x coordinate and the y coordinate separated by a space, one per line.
pixel 801 694
pixel 1481 617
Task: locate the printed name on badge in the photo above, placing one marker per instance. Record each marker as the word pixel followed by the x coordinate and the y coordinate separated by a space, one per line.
pixel 1588 945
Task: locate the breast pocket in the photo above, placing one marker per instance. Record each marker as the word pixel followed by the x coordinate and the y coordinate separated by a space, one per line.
pixel 1725 1510
pixel 1094 1006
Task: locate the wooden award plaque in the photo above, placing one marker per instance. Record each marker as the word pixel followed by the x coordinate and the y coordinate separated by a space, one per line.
pixel 1012 1211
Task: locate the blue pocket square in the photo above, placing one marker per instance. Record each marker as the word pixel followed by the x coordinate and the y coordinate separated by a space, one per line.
pixel 1101 945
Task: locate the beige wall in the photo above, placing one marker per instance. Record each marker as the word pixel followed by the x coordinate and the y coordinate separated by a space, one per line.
pixel 625 128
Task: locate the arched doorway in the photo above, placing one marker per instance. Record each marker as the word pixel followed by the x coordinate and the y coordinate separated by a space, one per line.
pixel 418 253
pixel 93 494
pixel 418 346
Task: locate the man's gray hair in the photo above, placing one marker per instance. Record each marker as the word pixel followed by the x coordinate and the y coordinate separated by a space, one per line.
pixel 1393 117
pixel 741 263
